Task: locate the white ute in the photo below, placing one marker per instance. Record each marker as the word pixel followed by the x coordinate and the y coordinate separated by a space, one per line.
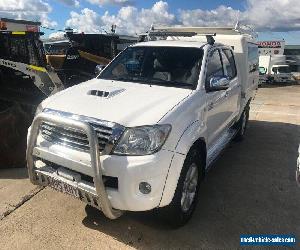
pixel 143 133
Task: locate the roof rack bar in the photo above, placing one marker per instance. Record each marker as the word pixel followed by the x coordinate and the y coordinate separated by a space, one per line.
pixel 172 33
pixel 229 30
pixel 153 34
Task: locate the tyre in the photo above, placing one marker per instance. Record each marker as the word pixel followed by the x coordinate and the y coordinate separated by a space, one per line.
pixel 184 202
pixel 242 125
pixel 271 80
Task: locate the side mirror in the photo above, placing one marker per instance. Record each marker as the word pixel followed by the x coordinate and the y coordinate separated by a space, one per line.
pixel 218 83
pixel 98 69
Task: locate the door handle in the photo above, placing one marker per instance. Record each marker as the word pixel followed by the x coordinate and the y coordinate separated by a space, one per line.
pixel 210 106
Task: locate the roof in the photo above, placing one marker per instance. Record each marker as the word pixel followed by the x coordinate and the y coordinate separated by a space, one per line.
pixel 19 21
pixel 171 43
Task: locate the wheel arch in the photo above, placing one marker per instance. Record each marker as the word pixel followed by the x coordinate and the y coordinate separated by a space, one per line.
pixel 176 168
pixel 200 144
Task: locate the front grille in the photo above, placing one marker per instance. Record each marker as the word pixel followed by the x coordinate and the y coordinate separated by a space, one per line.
pixel 75 138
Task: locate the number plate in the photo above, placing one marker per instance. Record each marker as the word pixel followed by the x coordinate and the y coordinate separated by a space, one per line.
pixel 63 187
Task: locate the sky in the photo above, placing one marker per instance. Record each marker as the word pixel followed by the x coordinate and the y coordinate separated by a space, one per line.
pixel 272 19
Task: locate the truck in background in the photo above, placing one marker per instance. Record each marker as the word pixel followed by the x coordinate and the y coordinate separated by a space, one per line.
pixel 143 134
pixel 281 73
pixel 274 69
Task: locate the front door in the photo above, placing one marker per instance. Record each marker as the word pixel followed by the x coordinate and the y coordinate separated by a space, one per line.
pixel 233 92
pixel 216 102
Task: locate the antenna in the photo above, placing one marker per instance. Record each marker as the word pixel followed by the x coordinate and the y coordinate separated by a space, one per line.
pixel 210 39
pixel 113 28
pixel 237 25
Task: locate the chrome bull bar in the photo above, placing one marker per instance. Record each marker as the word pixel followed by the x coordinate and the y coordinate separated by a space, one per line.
pixel 102 196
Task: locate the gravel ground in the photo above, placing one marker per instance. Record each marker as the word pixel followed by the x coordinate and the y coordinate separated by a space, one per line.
pixel 251 189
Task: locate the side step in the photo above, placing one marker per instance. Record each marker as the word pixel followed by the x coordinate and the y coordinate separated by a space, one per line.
pixel 215 150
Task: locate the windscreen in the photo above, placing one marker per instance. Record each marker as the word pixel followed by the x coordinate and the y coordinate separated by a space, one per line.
pixel 283 70
pixel 168 66
pixel 57 48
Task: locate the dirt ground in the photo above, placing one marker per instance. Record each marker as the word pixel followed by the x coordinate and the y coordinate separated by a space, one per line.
pixel 251 189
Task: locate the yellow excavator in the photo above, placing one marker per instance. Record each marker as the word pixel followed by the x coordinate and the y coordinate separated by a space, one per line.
pixel 28 74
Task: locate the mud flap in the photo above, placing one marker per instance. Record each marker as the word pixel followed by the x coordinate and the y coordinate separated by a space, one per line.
pixel 14 122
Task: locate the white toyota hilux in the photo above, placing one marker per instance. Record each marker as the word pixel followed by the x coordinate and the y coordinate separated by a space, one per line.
pixel 143 133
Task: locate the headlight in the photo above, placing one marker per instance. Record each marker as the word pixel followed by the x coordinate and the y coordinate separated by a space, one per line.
pixel 38 110
pixel 143 140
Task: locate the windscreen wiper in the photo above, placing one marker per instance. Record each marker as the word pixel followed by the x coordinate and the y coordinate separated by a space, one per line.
pixel 122 79
pixel 151 81
pixel 170 83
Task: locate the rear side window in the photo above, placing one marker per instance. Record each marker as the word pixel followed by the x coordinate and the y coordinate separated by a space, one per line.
pixel 252 57
pixel 214 67
pixel 228 63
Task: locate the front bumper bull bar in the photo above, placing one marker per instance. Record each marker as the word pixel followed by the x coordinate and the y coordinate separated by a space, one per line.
pixel 101 195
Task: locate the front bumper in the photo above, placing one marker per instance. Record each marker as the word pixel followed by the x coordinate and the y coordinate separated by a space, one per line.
pixel 128 170
pixel 40 177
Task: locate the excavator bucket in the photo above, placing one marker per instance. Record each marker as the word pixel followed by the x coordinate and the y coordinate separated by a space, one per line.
pixel 14 122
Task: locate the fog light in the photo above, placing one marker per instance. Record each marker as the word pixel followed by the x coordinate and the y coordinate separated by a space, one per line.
pixel 145 188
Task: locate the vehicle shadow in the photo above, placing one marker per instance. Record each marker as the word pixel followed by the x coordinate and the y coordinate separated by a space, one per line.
pixel 14 173
pixel 251 189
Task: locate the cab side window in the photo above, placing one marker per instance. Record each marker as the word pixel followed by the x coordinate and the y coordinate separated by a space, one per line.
pixel 229 64
pixel 214 67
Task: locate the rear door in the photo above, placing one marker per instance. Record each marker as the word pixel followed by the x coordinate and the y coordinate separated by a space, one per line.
pixel 253 74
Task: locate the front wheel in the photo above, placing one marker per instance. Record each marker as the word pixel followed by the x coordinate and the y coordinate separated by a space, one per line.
pixel 184 202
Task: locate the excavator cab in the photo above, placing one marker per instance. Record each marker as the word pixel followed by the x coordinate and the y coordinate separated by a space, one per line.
pixel 19 53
